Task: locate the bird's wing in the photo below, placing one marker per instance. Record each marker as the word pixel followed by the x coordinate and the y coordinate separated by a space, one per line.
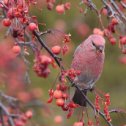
pixel 86 80
pixel 77 50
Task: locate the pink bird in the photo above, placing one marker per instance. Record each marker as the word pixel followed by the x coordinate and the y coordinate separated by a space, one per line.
pixel 88 59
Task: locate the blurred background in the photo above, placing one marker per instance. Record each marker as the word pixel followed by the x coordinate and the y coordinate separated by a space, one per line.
pixel 80 26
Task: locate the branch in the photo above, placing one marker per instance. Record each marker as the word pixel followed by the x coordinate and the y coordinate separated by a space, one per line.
pixel 117 111
pixel 118 10
pixel 115 10
pixel 72 83
pixel 92 6
pixel 41 41
pixel 4 109
pixel 123 4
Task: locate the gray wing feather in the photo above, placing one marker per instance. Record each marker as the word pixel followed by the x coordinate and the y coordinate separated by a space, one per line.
pixel 77 50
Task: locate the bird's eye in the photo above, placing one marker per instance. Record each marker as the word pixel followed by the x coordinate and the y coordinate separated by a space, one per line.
pixel 93 44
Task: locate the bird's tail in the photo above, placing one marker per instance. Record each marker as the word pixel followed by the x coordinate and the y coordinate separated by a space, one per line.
pixel 79 99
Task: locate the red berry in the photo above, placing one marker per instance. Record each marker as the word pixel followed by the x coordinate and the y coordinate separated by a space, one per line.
pixel 114 21
pixel 90 123
pixel 60 9
pixel 65 96
pixel 122 59
pixel 58 119
pixel 23 118
pixel 104 11
pixel 124 51
pixel 107 95
pixel 123 40
pixel 32 26
pixel 6 2
pixel 112 41
pixel 58 86
pixel 50 99
pixel 58 94
pixel 60 102
pixel 78 124
pixel 10 13
pixel 63 87
pixel 29 114
pixel 6 22
pixel 50 5
pixel 51 92
pixel 107 33
pixel 98 31
pixel 45 72
pixel 72 105
pixel 45 59
pixel 16 49
pixel 81 10
pixel 56 49
pixel 65 49
pixel 67 5
pixel 19 123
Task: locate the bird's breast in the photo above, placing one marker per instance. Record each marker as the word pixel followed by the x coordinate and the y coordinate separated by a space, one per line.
pixel 95 64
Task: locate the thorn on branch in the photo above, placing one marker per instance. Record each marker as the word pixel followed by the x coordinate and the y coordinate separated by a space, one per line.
pixel 45 32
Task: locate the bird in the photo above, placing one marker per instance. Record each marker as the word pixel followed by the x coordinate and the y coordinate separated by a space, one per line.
pixel 88 59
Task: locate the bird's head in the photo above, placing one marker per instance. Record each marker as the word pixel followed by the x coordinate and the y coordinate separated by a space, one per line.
pixel 97 43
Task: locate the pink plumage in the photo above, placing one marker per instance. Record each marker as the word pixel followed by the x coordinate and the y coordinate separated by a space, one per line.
pixel 89 60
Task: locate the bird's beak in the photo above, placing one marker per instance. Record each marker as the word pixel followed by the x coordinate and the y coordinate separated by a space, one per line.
pixel 100 49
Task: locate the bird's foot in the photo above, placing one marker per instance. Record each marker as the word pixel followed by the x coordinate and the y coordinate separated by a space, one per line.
pixel 89 88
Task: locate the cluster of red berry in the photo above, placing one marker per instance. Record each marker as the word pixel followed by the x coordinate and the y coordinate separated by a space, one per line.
pixel 61 8
pixel 81 123
pixel 106 103
pixel 106 106
pixel 62 99
pixel 23 118
pixel 41 65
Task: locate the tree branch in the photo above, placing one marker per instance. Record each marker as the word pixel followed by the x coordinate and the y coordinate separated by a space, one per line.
pixel 10 120
pixel 118 10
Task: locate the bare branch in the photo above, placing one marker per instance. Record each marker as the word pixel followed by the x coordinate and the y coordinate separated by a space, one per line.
pixel 123 4
pixel 4 109
pixel 118 10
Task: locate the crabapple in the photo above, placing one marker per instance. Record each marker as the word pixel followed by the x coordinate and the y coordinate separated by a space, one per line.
pixel 6 22
pixel 32 26
pixel 60 102
pixel 58 94
pixel 16 49
pixel 56 49
pixel 58 119
pixel 60 9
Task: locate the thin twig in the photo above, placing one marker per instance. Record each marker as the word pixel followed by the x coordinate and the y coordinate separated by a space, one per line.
pixel 92 6
pixel 117 111
pixel 45 32
pixel 118 10
pixel 123 4
pixel 114 11
pixel 4 109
